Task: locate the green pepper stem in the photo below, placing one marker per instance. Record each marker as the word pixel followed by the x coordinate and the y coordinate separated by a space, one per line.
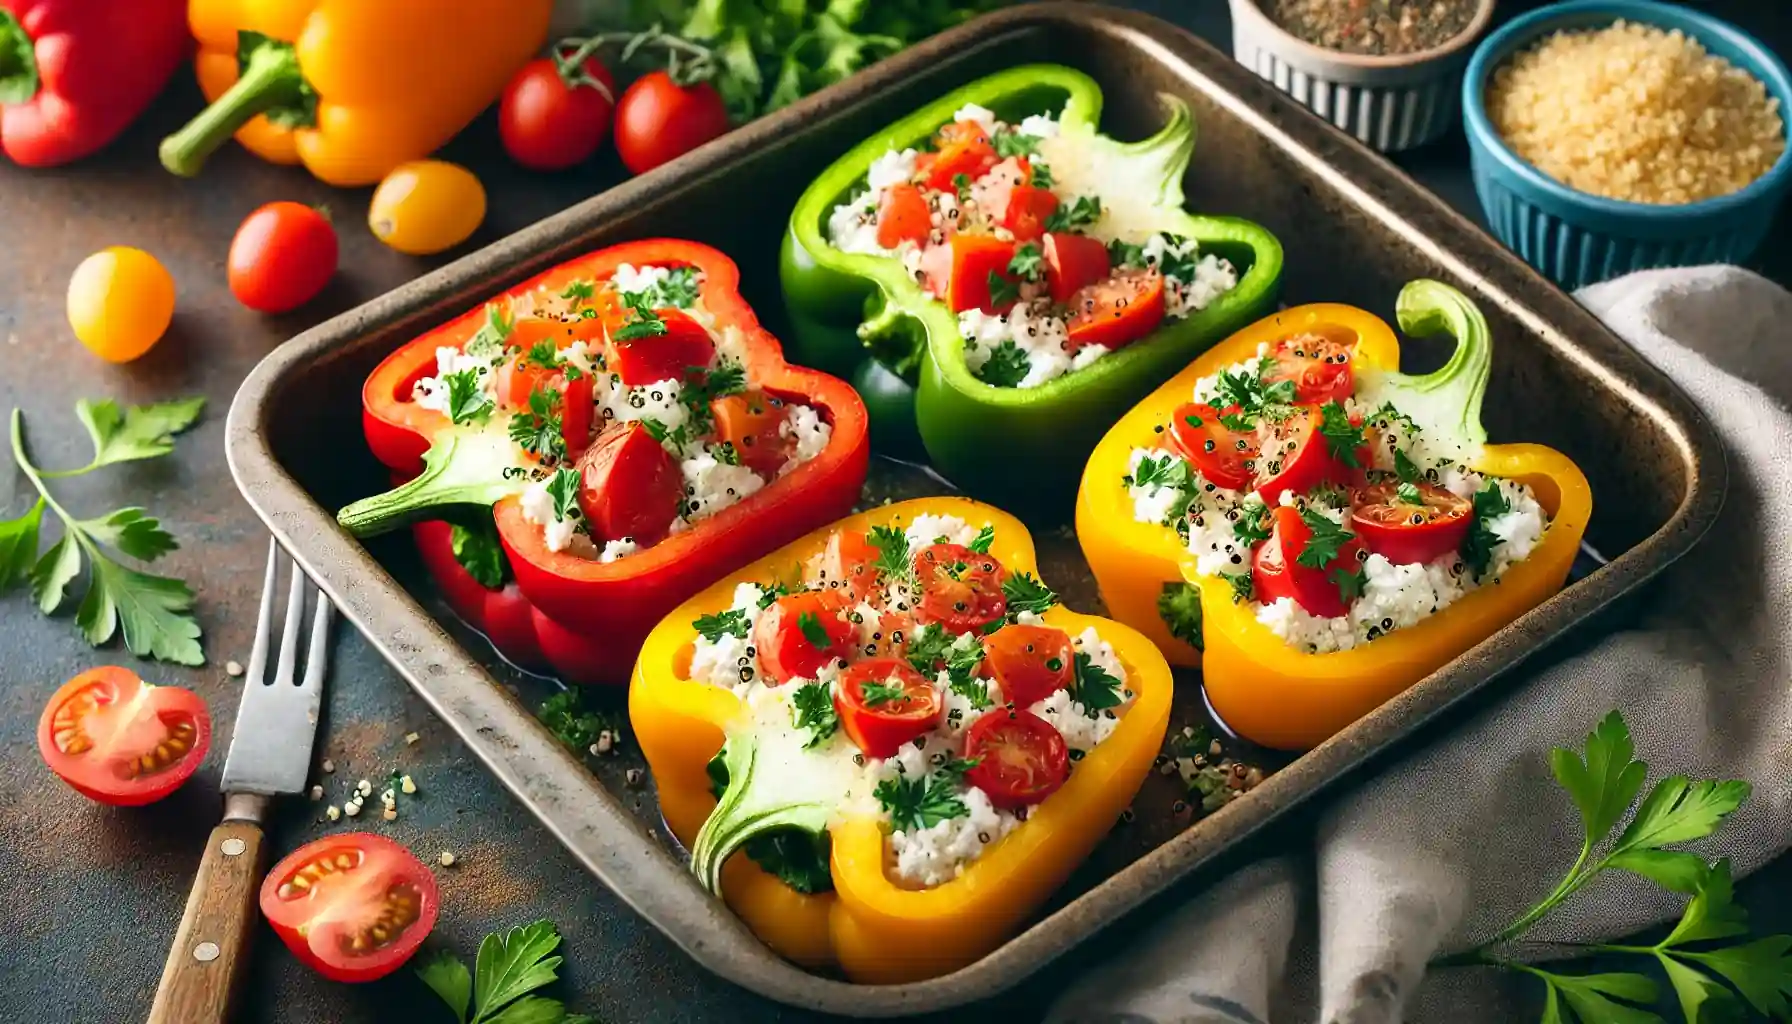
pixel 462 468
pixel 270 78
pixel 1446 404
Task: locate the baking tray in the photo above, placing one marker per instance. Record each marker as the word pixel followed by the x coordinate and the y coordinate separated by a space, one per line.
pixel 1355 228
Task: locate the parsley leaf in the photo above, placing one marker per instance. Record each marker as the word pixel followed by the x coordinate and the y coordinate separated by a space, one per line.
pixel 1012 143
pixel 579 292
pixel 1408 475
pixel 732 622
pixel 573 721
pixel 875 694
pixel 1593 997
pixel 961 184
pixel 1028 262
pixel 918 803
pixel 1125 254
pixel 931 649
pixel 1095 688
pixel 18 544
pixel 1026 594
pixel 1179 605
pixel 1253 398
pixel 985 537
pixel 1006 367
pixel 1350 582
pixel 138 432
pixel 1167 471
pixel 1341 436
pixel 1327 540
pixel 702 387
pixel 477 550
pixel 725 454
pixel 812 708
pixel 677 289
pixel 537 430
pixel 450 980
pixel 563 487
pixel 1252 526
pixel 509 969
pixel 644 323
pixel 1002 292
pixel 892 552
pixel 1180 260
pixel 467 401
pixel 1760 970
pixel 814 631
pixel 544 355
pixel 794 856
pixel 1243 586
pixel 1079 212
pixel 490 340
pixel 1477 547
pixel 1042 175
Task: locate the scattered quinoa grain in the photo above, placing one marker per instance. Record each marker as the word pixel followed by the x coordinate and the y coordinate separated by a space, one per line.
pixel 390 814
pixel 317 792
pixel 233 668
pixel 329 765
pixel 406 786
pixel 633 777
pixel 446 859
pixel 351 808
pixel 364 787
pixel 411 738
pixel 332 812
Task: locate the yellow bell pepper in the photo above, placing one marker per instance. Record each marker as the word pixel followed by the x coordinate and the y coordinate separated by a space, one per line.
pixel 1261 687
pixel 868 925
pixel 352 88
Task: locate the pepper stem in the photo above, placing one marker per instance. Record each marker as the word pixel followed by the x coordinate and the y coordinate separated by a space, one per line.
pixel 888 335
pixel 758 802
pixel 18 61
pixel 1445 404
pixel 462 468
pixel 270 79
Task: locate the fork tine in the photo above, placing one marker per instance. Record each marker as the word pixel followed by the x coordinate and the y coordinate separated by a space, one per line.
pixel 264 623
pixel 295 615
pixel 318 655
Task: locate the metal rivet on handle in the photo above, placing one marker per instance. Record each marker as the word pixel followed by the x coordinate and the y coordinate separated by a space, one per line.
pixel 206 952
pixel 231 848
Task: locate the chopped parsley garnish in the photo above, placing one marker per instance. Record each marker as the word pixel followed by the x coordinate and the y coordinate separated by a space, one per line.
pixel 813 630
pixel 1007 366
pixel 1341 436
pixel 1350 582
pixel 1243 586
pixel 985 537
pixel 543 354
pixel 678 438
pixel 1042 175
pixel 1327 540
pixel 645 323
pixel 727 377
pixel 1177 263
pixel 892 552
pixel 678 289
pixel 732 622
pixel 875 694
pixel 1028 262
pixel 1168 471
pixel 1408 491
pixel 1095 688
pixel 563 487
pixel 1125 254
pixel 1389 418
pixel 1252 526
pixel 569 716
pixel 1477 547
pixel 769 594
pixel 930 648
pixel 488 342
pixel 1079 212
pixel 477 550
pixel 961 183
pixel 1002 291
pixel 1179 605
pixel 1026 594
pixel 537 430
pixel 812 708
pixel 1253 397
pixel 579 292
pixel 467 401
pixel 725 453
pixel 915 804
pixel 1015 144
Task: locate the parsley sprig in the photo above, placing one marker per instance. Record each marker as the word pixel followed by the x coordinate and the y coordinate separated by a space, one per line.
pixel 1013 143
pixel 984 539
pixel 893 559
pixel 918 803
pixel 678 289
pixel 537 429
pixel 509 970
pixel 1078 213
pixel 643 323
pixel 813 631
pixel 1096 687
pixel 1028 263
pixel 1252 526
pixel 1025 593
pixel 732 622
pixel 932 649
pixel 1327 540
pixel 1002 291
pixel 563 488
pixel 490 340
pixel 1341 436
pixel 1006 366
pixel 467 400
pixel 1477 547
pixel 812 708
pixel 1408 475
pixel 1252 398
pixel 875 694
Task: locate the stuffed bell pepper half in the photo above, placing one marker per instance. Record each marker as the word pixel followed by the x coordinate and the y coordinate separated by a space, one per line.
pixel 1328 529
pixel 1001 281
pixel 886 744
pixel 600 443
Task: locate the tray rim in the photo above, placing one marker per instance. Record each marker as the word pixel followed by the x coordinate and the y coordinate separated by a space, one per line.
pixel 584 816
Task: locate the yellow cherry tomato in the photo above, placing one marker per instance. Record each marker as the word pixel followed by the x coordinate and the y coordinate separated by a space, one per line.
pixel 426 206
pixel 119 302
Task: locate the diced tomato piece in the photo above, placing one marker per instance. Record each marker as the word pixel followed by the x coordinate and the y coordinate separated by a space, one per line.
pixel 1276 571
pixel 685 348
pixel 799 634
pixel 352 906
pixel 1028 210
pixel 1073 262
pixel 963 149
pixel 975 259
pixel 992 191
pixel 1293 456
pixel 848 564
pixel 1404 533
pixel 577 411
pixel 1118 311
pixel 1319 367
pixel 903 216
pixel 883 703
pixel 561 331
pixel 119 740
pixel 1224 456
pixel 960 589
pixel 1029 663
pixel 630 486
pixel 1020 758
pixel 752 422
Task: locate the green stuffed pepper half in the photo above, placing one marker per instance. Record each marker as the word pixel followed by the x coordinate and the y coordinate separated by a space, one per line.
pixel 1001 282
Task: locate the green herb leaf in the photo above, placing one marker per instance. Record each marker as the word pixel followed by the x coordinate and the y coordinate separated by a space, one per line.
pixel 1712 912
pixel 732 622
pixel 1252 527
pixel 1679 810
pixel 918 803
pixel 544 355
pixel 1760 970
pixel 725 454
pixel 1002 292
pixel 644 323
pixel 564 487
pixel 490 340
pixel 467 401
pixel 132 531
pixel 513 965
pixel 1125 254
pixel 18 544
pixel 1013 143
pixel 961 184
pixel 893 559
pixel 53 573
pixel 1179 606
pixel 1006 367
pixel 477 550
pixel 1078 213
pixel 984 539
pixel 812 708
pixel 1702 997
pixel 538 430
pixel 814 631
pixel 139 432
pixel 1604 784
pixel 875 694
pixel 1594 997
pixel 1095 688
pixel 1164 471
pixel 153 611
pixel 1477 547
pixel 1409 477
pixel 580 292
pixel 1243 586
pixel 1674 870
pixel 1327 540
pixel 1350 582
pixel 679 289
pixel 450 980
pixel 1042 175
pixel 1028 263
pixel 532 1010
pixel 795 857
pixel 1342 437
pixel 1025 593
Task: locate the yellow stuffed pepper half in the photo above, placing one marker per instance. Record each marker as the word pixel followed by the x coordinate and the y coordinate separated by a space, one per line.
pixel 888 743
pixel 1317 530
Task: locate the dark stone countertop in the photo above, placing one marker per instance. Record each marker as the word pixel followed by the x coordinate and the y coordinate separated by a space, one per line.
pixel 89 896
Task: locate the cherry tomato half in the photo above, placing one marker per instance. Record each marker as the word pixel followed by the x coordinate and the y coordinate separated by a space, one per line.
pixel 658 121
pixel 753 421
pixel 120 740
pixel 282 256
pixel 555 114
pixel 1276 571
pixel 1073 262
pixel 1224 456
pixel 1117 311
pixel 669 356
pixel 1293 456
pixel 883 703
pixel 1021 758
pixel 1404 533
pixel 960 589
pixel 799 634
pixel 903 216
pixel 1030 663
pixel 353 906
pixel 629 487
pixel 1318 366
pixel 848 564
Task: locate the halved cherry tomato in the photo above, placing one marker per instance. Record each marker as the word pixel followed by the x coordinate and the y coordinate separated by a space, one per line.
pixel 799 634
pixel 901 705
pixel 669 356
pixel 1073 262
pixel 903 216
pixel 1021 758
pixel 1276 571
pixel 847 565
pixel 572 393
pixel 352 906
pixel 960 589
pixel 1319 368
pixel 1028 210
pixel 1404 533
pixel 629 486
pixel 752 422
pixel 963 149
pixel 1117 311
pixel 120 740
pixel 1029 662
pixel 1292 456
pixel 1226 457
pixel 975 259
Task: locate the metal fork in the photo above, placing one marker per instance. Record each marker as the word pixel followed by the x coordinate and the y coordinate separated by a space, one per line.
pixel 270 754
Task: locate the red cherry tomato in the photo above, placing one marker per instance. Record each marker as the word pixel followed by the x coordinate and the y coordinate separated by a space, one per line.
pixel 352 906
pixel 669 356
pixel 1293 456
pixel 960 589
pixel 120 740
pixel 903 216
pixel 658 121
pixel 1021 758
pixel 900 705
pixel 848 564
pixel 1073 262
pixel 1117 311
pixel 572 395
pixel 752 421
pixel 1030 663
pixel 1319 368
pixel 963 149
pixel 630 486
pixel 554 114
pixel 1225 457
pixel 281 257
pixel 1404 533
pixel 974 259
pixel 799 634
pixel 1276 571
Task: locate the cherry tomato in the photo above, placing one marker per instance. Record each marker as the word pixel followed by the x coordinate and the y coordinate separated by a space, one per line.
pixel 1276 571
pixel 1293 456
pixel 960 589
pixel 902 704
pixel 1073 262
pixel 120 740
pixel 426 206
pixel 903 216
pixel 1030 663
pixel 658 121
pixel 1225 457
pixel 521 377
pixel 1117 311
pixel 752 422
pixel 282 256
pixel 975 258
pixel 963 149
pixel 799 634
pixel 630 486
pixel 554 113
pixel 1021 758
pixel 1404 533
pixel 848 564
pixel 120 301
pixel 1319 368
pixel 353 906
pixel 669 356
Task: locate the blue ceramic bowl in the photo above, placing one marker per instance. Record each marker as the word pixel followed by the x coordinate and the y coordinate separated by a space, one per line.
pixel 1575 238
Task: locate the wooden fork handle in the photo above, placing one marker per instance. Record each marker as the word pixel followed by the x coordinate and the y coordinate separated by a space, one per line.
pixel 211 947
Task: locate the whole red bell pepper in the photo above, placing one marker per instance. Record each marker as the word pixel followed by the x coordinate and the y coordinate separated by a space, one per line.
pixel 581 618
pixel 74 73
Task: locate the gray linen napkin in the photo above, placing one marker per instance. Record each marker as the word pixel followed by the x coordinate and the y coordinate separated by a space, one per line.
pixel 1439 852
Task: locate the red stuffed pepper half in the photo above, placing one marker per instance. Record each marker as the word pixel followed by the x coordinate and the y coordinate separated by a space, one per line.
pixel 590 449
